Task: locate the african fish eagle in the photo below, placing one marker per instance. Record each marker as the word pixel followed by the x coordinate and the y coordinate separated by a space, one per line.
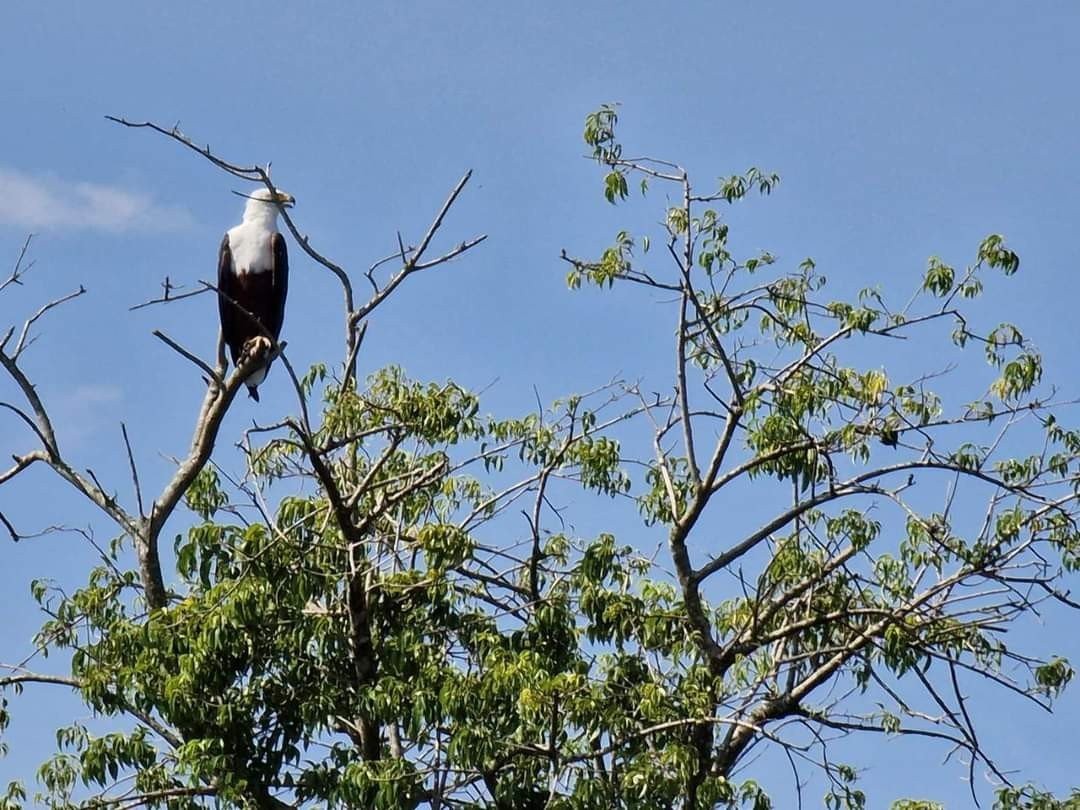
pixel 253 279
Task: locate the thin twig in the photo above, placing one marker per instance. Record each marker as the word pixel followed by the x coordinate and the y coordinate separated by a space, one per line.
pixel 19 270
pixel 15 536
pixel 167 298
pixel 134 470
pixel 176 347
pixel 22 344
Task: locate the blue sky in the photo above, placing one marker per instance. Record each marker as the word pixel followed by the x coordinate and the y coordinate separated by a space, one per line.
pixel 901 130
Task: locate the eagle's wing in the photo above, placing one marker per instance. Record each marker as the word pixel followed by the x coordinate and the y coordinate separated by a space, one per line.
pixel 227 290
pixel 281 284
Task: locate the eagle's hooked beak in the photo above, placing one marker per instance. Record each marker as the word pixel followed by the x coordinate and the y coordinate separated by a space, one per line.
pixel 286 200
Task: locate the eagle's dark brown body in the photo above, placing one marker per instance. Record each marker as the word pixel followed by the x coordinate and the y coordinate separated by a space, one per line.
pixel 251 298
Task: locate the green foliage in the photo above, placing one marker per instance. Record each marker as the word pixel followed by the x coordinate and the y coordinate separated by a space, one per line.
pixel 204 497
pixel 1028 797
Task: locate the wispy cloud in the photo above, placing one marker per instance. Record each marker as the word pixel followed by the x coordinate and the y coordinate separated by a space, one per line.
pixel 47 202
pixel 84 411
pixel 89 395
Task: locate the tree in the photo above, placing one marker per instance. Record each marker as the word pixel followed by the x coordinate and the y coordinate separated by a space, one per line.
pixel 391 638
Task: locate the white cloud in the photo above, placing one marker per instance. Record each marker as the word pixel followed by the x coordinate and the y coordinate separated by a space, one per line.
pixel 85 395
pixel 84 411
pixel 46 202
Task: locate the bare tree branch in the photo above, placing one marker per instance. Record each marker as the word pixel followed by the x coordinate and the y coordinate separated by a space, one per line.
pixel 134 470
pixel 167 297
pixel 22 344
pixel 20 269
pixel 211 374
pixel 412 263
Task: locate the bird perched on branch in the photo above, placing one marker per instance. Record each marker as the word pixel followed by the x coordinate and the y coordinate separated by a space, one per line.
pixel 253 280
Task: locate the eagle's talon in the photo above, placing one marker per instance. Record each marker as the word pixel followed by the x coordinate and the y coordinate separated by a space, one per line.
pixel 257 346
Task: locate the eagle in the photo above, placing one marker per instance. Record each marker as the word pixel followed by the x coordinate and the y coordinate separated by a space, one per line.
pixel 253 280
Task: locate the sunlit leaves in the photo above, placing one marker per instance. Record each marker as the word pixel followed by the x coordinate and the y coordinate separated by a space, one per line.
pixel 204 497
pixel 1052 676
pixel 1018 377
pixel 859 530
pixel 667 489
pixel 677 221
pixel 994 252
pixel 103 758
pixel 1017 471
pixel 598 463
pixel 13 797
pixel 614 263
pixel 314 375
pixel 939 277
pixel 600 136
pixel 1028 797
pixel 444 545
pixel 600 133
pixel 615 186
pixel 738 186
pixel 919 405
pixel 968 457
pixel 1000 337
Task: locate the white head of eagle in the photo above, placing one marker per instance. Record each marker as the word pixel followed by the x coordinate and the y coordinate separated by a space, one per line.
pixel 253 279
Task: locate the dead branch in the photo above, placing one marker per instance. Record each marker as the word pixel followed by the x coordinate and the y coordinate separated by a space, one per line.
pixel 212 374
pixel 26 419
pixel 167 297
pixel 51 451
pixel 22 344
pixel 245 173
pixel 144 530
pixel 21 463
pixel 215 404
pixel 134 470
pixel 411 263
pixel 15 536
pixel 19 270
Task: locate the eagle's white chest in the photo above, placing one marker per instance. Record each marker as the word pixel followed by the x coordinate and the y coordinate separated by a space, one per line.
pixel 251 246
